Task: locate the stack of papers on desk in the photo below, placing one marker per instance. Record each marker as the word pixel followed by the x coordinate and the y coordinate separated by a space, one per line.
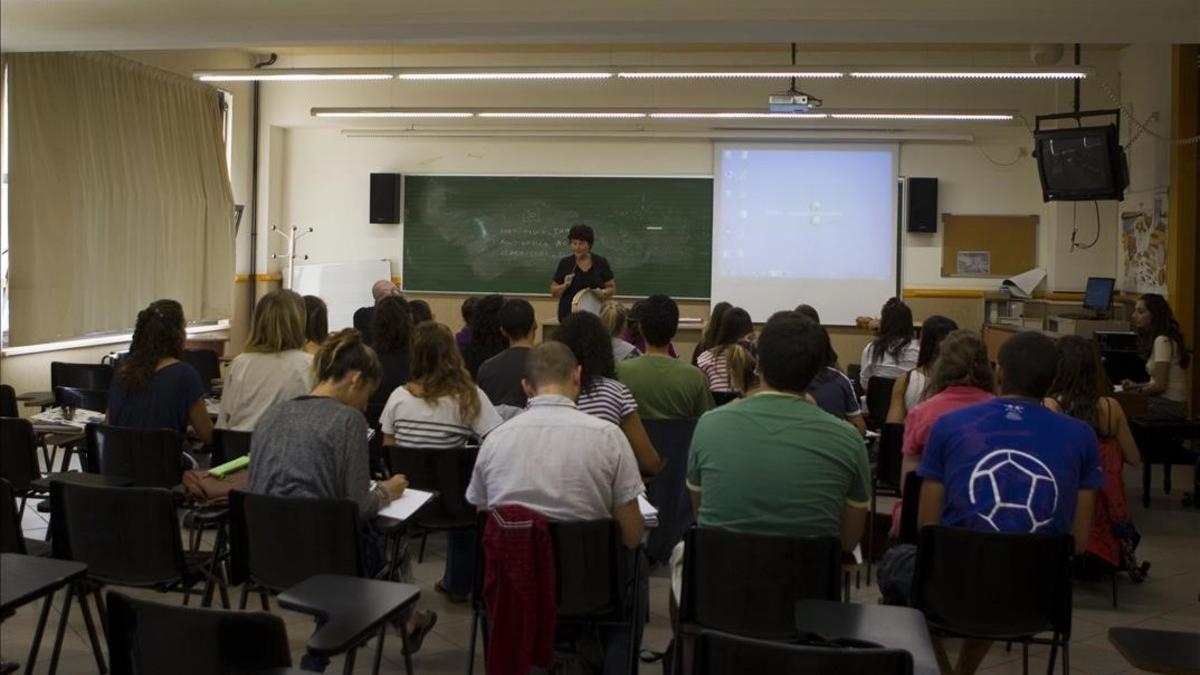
pixel 53 418
pixel 408 503
pixel 649 513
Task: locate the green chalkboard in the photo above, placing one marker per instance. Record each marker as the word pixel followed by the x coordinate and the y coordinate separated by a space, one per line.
pixel 483 234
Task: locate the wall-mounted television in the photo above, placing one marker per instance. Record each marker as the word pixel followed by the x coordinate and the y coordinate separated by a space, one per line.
pixel 1083 163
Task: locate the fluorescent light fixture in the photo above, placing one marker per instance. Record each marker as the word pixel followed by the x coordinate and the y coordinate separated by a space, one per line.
pixel 290 75
pixel 513 75
pixel 944 117
pixel 736 116
pixel 564 115
pixel 970 74
pixel 392 114
pixel 726 73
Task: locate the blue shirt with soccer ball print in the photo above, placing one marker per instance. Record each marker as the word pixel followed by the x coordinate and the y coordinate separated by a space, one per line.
pixel 1011 465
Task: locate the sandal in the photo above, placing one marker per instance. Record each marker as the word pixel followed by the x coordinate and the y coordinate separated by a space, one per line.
pixel 456 598
pixel 417 636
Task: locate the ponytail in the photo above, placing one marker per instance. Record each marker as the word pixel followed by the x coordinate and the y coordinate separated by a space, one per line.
pixel 344 352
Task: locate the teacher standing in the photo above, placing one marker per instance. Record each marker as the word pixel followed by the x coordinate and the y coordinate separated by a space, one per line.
pixel 581 270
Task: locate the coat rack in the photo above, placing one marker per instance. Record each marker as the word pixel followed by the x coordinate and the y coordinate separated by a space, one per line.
pixel 292 237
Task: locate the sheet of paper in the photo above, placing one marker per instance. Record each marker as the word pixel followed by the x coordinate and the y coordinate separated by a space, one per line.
pixel 406 505
pixel 649 513
pixel 81 418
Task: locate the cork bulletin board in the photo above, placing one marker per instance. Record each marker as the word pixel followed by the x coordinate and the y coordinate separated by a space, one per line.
pixel 988 246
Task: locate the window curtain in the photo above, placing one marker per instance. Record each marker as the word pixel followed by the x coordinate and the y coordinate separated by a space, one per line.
pixel 118 195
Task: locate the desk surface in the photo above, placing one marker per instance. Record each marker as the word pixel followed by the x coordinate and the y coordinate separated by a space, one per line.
pixel 892 627
pixel 27 578
pixel 352 608
pixel 1158 651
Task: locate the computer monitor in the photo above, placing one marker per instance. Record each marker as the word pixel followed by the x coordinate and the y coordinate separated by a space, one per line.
pixel 1098 296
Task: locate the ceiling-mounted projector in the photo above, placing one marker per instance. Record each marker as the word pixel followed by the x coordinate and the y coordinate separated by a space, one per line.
pixel 788 103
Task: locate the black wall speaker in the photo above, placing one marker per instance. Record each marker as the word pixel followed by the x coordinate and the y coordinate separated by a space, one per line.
pixel 922 196
pixel 385 198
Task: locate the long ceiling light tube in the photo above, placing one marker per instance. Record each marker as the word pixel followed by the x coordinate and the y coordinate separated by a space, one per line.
pixel 660 114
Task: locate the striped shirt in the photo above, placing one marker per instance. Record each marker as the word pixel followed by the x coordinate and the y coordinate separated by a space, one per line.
pixel 419 423
pixel 607 399
pixel 716 369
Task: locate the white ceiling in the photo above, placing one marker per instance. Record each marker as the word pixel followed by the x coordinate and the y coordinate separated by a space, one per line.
pixel 27 25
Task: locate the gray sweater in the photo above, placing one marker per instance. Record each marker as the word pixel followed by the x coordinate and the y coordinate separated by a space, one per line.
pixel 313 447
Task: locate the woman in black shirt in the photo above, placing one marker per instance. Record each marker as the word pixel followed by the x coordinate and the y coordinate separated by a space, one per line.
pixel 581 270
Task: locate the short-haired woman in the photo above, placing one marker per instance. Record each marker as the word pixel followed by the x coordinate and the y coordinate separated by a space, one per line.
pixel 273 367
pixel 581 270
pixel 153 389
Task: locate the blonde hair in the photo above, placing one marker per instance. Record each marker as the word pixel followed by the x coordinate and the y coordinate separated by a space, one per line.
pixel 344 352
pixel 278 323
pixel 435 364
pixel 615 316
pixel 741 363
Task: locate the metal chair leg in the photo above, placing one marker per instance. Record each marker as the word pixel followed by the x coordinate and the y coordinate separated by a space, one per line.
pixel 1024 657
pixel 408 665
pixel 266 604
pixel 101 610
pixel 245 595
pixel 1066 657
pixel 348 668
pixel 62 629
pixel 379 649
pixel 37 634
pixel 869 549
pixel 1053 657
pixel 91 629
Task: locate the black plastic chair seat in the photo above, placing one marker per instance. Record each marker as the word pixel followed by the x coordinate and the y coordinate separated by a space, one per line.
pixel 351 609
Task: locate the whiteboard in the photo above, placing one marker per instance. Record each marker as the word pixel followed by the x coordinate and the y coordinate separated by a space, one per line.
pixel 344 286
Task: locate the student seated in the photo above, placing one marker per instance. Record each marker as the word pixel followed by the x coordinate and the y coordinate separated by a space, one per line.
pixel 153 389
pixel 894 351
pixel 362 316
pixel 708 336
pixel 911 387
pixel 392 328
pixel 463 337
pixel 440 407
pixel 500 376
pixel 736 327
pixel 420 312
pixel 664 388
pixel 830 389
pixel 601 394
pixel 1014 429
pixel 1166 358
pixel 315 446
pixel 616 317
pixel 564 464
pixel 273 367
pixel 1075 392
pixel 316 323
pixel 487 340
pixel 775 463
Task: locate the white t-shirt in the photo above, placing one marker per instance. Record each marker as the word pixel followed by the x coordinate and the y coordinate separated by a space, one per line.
pixel 914 394
pixel 888 365
pixel 420 423
pixel 1165 352
pixel 256 381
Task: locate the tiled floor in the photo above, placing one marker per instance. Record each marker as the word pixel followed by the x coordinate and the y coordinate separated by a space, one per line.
pixel 1167 600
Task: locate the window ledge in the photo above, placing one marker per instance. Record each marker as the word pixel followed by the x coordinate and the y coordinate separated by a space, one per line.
pixel 114 339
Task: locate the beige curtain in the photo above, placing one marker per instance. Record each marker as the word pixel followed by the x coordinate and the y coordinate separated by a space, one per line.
pixel 118 195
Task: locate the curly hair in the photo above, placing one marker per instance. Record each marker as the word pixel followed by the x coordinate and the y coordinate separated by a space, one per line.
pixel 486 338
pixel 391 325
pixel 158 334
pixel 585 335
pixel 1076 384
pixel 962 361
pixel 435 364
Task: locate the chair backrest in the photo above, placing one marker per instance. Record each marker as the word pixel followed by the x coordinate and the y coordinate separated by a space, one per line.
pixel 125 535
pixel 277 542
pixel 911 505
pixel 12 536
pixel 147 457
pixel 720 653
pixel 18 453
pixel 854 372
pixel 668 491
pixel 723 397
pixel 591 567
pixel 446 471
pixel 993 585
pixel 748 584
pixel 228 445
pixel 96 376
pixel 151 637
pixel 8 402
pixel 78 397
pixel 879 399
pixel 206 362
pixel 890 460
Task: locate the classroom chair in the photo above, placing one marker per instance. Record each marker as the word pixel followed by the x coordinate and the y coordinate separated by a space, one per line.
pixel 668 491
pixel 748 584
pixel 879 399
pixel 445 472
pixel 95 400
pixel 720 653
pixel 8 402
pixel 12 535
pixel 142 457
pixel 18 458
pixel 910 505
pixel 592 577
pixel 94 376
pixel 207 365
pixel 150 637
pixel 228 445
pixel 996 586
pixel 885 480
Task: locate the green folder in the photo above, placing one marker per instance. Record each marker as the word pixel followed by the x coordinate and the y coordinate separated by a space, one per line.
pixel 232 466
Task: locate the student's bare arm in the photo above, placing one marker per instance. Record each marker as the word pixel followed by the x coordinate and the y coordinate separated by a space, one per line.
pixel 854 521
pixel 629 522
pixel 933 494
pixel 1083 519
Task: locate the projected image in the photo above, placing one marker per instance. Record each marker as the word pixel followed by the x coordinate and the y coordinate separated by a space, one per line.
pixel 796 213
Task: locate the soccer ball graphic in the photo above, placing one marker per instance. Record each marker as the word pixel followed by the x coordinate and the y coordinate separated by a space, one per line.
pixel 1014 491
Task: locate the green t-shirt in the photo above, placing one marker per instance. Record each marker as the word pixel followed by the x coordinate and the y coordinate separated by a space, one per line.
pixel 777 464
pixel 665 389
